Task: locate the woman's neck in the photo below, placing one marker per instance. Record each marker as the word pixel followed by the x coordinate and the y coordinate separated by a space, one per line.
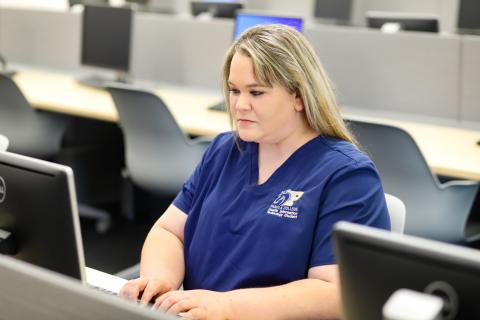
pixel 272 155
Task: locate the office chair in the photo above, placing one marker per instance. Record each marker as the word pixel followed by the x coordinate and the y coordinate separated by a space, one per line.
pixel 437 211
pixel 397 212
pixel 3 143
pixel 32 133
pixel 36 134
pixel 159 156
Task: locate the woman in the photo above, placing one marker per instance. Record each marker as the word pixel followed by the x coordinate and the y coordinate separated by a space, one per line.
pixel 249 235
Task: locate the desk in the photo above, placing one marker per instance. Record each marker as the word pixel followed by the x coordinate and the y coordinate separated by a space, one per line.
pixel 449 151
pixel 62 93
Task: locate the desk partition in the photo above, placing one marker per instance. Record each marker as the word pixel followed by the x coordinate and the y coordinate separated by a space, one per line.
pixel 423 74
pixel 470 71
pixel 409 73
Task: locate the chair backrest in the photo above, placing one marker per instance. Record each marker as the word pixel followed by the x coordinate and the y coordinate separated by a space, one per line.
pixel 397 212
pixel 31 133
pixel 159 156
pixel 434 211
pixel 3 143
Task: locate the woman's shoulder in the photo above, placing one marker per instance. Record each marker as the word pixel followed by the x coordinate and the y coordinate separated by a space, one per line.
pixel 344 153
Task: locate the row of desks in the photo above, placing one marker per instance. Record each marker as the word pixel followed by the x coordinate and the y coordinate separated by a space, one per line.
pixel 449 151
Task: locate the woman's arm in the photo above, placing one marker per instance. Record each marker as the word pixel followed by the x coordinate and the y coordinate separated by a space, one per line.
pixel 162 266
pixel 317 297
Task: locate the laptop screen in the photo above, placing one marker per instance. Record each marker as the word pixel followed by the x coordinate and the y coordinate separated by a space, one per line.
pixel 245 20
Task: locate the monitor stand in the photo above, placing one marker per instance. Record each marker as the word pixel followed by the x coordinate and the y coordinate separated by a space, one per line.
pixel 101 81
pixel 218 106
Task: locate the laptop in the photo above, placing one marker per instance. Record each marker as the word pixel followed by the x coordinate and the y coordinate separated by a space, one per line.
pixel 31 292
pixel 39 220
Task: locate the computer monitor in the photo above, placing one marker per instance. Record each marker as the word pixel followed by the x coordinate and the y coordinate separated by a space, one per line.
pixel 469 16
pixel 375 263
pixel 106 37
pixel 38 214
pixel 338 11
pixel 91 2
pixel 218 8
pixel 245 20
pixel 30 292
pixel 396 21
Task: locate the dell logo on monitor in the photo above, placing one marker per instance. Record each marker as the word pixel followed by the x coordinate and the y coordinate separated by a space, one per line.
pixel 3 190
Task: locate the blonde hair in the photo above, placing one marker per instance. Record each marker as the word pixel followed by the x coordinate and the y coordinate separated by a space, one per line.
pixel 282 55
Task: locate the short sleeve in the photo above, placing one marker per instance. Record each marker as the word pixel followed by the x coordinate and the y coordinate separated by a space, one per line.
pixel 186 196
pixel 355 194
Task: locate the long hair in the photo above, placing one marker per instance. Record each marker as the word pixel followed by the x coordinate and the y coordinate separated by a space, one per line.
pixel 282 55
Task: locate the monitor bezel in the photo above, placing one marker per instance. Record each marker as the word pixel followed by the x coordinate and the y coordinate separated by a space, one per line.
pixel 403 17
pixel 86 62
pixel 63 175
pixel 352 241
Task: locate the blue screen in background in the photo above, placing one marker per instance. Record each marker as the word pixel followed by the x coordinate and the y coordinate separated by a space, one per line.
pixel 244 21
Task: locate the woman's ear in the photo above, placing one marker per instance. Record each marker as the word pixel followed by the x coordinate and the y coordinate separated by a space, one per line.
pixel 298 103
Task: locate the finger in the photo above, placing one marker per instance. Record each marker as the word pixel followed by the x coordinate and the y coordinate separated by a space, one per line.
pixel 165 301
pixel 131 290
pixel 153 289
pixel 194 314
pixel 182 306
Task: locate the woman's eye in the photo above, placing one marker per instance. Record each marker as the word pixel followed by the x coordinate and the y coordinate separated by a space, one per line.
pixel 256 93
pixel 234 91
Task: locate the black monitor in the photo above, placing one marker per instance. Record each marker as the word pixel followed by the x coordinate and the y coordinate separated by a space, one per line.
pixel 217 8
pixel 338 11
pixel 396 21
pixel 91 2
pixel 375 263
pixel 469 16
pixel 38 214
pixel 106 37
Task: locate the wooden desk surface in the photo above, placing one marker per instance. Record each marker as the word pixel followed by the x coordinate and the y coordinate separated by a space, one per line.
pixel 64 94
pixel 449 151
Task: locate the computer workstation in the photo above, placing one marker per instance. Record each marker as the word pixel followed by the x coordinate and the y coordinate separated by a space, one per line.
pixel 106 45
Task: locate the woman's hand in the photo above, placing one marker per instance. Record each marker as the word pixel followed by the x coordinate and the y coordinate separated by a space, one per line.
pixel 196 304
pixel 145 289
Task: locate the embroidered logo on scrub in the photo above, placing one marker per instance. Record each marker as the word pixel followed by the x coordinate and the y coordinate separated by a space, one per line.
pixel 284 204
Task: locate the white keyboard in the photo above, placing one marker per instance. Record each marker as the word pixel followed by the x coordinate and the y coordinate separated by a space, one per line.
pixel 103 281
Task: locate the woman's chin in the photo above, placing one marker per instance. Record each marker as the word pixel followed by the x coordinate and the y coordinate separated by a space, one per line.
pixel 247 136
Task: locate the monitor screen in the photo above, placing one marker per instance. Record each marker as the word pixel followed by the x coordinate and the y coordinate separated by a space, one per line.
pixel 402 21
pixel 219 9
pixel 245 20
pixel 338 10
pixel 106 33
pixel 38 208
pixel 469 14
pixel 375 263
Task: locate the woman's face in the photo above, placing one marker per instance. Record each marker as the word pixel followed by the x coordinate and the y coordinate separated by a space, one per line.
pixel 262 114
